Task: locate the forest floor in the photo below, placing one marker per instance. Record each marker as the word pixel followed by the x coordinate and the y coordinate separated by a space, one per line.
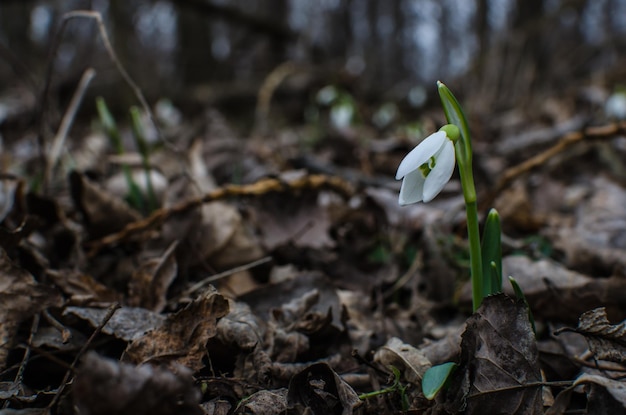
pixel 274 272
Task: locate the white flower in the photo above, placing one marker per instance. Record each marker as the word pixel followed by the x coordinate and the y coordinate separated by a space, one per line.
pixel 426 169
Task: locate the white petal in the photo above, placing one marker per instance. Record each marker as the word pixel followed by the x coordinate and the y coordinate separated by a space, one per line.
pixel 421 153
pixel 412 188
pixel 441 173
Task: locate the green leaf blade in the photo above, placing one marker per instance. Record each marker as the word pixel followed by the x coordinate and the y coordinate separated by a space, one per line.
pixel 491 249
pixel 435 378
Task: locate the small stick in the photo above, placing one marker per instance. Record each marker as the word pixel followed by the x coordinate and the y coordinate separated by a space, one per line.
pixel 66 122
pixel 112 309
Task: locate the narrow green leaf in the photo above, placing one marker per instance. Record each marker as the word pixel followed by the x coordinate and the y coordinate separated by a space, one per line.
pixel 109 125
pixel 491 249
pixel 455 115
pixel 134 197
pixel 520 295
pixel 142 146
pixel 435 378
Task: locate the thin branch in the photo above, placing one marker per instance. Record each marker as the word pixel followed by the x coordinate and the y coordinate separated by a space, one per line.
pixel 61 135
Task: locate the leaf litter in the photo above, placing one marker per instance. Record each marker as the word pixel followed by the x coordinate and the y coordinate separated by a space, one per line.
pixel 279 275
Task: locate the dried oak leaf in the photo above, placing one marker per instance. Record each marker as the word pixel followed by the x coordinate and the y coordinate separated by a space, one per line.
pixel 21 297
pixel 606 341
pixel 499 371
pixel 105 386
pixel 319 389
pixel 183 336
pixel 149 283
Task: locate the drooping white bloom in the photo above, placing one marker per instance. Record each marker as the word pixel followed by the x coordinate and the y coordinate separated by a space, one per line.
pixel 426 169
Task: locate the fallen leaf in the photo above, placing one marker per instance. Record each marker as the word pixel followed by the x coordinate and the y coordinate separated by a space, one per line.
pixel 103 213
pixel 21 297
pixel 127 323
pixel 596 241
pixel 606 341
pixel 410 361
pixel 241 328
pixel 104 386
pixel 555 292
pixel 264 402
pixel 183 336
pixel 499 371
pixel 319 389
pixel 303 221
pixel 599 402
pixel 149 283
pixel 81 288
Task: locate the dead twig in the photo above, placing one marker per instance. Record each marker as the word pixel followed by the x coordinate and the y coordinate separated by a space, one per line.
pixel 599 132
pixel 87 14
pixel 59 140
pixel 111 310
pixel 261 187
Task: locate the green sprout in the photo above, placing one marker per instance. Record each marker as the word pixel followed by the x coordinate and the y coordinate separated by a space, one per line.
pixel 396 386
pixel 135 197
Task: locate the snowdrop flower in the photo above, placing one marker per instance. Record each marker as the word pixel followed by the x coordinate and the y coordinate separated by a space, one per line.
pixel 428 167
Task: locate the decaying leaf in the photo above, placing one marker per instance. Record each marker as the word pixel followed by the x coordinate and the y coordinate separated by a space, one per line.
pixel 149 284
pixel 410 361
pixel 183 336
pixel 598 402
pixel 103 212
pixel 264 402
pixel 81 288
pixel 606 341
pixel 598 237
pixel 240 327
pixel 319 389
pixel 127 323
pixel 556 292
pixel 104 386
pixel 499 371
pixel 604 396
pixel 303 221
pixel 21 297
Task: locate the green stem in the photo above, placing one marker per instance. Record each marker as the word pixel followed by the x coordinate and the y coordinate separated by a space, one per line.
pixel 473 235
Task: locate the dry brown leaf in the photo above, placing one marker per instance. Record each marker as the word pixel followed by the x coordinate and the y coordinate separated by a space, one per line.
pixel 320 390
pixel 105 386
pixel 264 402
pixel 21 297
pixel 127 323
pixel 599 404
pixel 598 238
pixel 555 292
pixel 149 284
pixel 81 288
pixel 499 371
pixel 410 361
pixel 241 328
pixel 103 212
pixel 606 341
pixel 183 336
pixel 303 221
